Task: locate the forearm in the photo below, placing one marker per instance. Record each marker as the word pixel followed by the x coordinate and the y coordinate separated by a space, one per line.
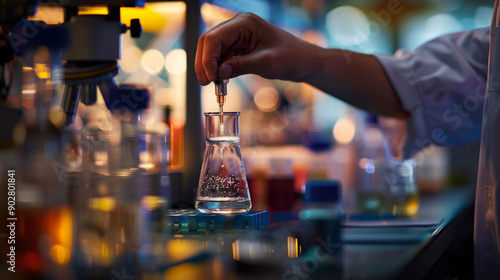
pixel 357 79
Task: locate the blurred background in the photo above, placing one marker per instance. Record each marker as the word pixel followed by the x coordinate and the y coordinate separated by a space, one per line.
pixel 95 192
pixel 303 132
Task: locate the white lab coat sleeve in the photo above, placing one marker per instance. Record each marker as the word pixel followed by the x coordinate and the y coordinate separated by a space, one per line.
pixel 442 85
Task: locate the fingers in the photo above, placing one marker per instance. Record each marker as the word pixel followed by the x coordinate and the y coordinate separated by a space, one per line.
pixel 232 67
pixel 219 44
pixel 212 49
pixel 226 71
pixel 254 63
pixel 198 66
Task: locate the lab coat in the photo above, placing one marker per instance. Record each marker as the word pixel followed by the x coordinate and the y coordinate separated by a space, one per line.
pixel 451 87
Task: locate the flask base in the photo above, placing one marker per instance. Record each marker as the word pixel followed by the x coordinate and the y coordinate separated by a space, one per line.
pixel 223 207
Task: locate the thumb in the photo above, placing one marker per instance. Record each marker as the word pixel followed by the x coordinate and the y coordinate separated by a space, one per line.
pixel 239 65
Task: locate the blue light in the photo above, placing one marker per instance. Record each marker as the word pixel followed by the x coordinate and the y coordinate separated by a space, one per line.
pixel 370 168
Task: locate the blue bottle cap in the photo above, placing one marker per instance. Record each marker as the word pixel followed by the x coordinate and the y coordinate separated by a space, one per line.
pixel 371 119
pixel 129 97
pixel 322 191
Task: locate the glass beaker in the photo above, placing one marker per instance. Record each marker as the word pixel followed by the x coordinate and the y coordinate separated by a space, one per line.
pixel 223 186
pixel 389 188
pixel 404 198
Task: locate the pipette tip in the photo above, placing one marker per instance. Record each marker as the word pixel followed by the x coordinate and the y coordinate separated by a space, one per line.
pixel 221 118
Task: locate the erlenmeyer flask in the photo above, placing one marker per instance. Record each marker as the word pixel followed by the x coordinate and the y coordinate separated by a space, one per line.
pixel 223 184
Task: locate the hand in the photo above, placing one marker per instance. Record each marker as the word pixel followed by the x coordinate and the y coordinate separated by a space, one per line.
pixel 248 44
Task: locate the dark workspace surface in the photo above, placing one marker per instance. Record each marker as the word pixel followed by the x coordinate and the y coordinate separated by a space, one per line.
pixel 436 245
pixel 428 251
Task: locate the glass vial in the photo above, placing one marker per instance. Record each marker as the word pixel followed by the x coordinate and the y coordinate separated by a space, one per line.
pixel 223 186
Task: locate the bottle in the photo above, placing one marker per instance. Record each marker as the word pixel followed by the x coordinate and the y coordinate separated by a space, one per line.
pixel 280 189
pixel 322 211
pixel 257 174
pixel 223 186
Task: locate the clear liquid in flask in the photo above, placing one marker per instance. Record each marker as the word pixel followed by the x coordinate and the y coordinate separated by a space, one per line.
pixel 223 186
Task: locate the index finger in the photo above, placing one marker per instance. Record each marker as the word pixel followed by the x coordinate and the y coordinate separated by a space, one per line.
pixel 217 41
pixel 198 66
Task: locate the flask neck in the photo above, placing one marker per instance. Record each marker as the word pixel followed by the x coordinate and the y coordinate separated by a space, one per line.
pixel 228 128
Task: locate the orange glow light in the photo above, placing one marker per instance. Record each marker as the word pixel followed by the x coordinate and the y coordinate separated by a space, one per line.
pixel 236 250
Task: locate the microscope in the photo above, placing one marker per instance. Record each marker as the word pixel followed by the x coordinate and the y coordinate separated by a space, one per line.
pixel 89 44
pixel 91 61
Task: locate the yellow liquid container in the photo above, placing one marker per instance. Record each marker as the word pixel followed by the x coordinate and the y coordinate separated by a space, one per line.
pixel 389 188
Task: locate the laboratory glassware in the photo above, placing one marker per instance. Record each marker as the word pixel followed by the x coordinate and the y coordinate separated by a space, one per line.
pixel 122 215
pixel 389 188
pixel 223 186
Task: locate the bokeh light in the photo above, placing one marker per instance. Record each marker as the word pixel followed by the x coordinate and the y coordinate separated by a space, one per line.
pixel 151 202
pixel 348 25
pixel 131 59
pixel 423 27
pixel 441 24
pixel 344 130
pixel 152 61
pixel 267 99
pixel 105 204
pixel 175 61
pixel 59 254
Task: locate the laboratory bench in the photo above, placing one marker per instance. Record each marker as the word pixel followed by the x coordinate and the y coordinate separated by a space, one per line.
pixel 437 244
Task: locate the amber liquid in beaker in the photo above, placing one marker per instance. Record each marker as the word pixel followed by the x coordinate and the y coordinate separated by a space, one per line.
pixel 223 187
